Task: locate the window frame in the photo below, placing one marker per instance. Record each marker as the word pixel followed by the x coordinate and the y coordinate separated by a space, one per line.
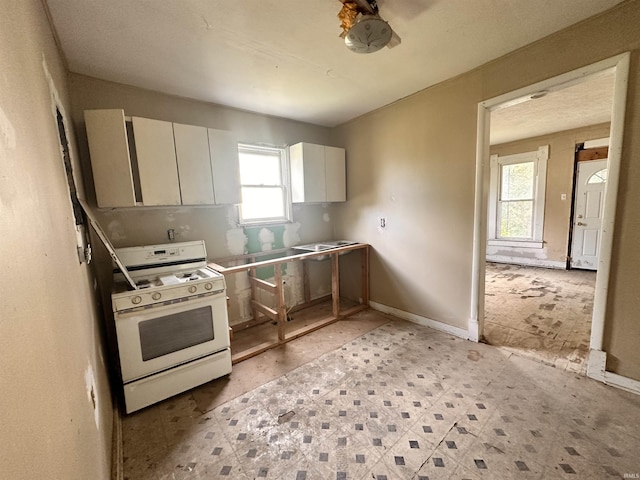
pixel 284 185
pixel 539 158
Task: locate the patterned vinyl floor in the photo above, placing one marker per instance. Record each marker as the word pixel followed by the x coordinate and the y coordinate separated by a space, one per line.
pixel 400 402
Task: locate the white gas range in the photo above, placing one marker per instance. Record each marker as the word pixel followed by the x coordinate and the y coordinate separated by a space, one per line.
pixel 171 321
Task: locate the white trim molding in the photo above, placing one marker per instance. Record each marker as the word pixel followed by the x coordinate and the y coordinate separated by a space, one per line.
pixel 515 243
pixel 597 142
pixel 597 369
pixel 539 159
pixel 420 320
pixel 620 65
pixel 527 261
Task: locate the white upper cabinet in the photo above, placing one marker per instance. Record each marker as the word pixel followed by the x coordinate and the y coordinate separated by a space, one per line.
pixel 194 165
pixel 156 153
pixel 144 162
pixel 223 152
pixel 335 174
pixel 317 173
pixel 110 160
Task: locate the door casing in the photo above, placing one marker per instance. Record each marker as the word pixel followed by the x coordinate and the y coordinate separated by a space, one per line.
pixel 620 65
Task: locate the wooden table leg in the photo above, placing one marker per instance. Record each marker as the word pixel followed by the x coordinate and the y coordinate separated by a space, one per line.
pixel 365 275
pixel 281 306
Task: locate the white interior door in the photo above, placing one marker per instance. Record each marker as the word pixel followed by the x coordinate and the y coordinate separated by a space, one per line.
pixel 587 216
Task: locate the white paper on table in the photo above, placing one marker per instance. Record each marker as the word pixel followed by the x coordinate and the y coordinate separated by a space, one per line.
pixel 169 280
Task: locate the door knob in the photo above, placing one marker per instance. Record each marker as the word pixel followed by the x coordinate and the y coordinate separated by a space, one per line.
pixel 580 224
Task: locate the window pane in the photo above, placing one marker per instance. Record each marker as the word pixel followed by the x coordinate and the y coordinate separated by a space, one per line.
pixel 517 181
pixel 259 203
pixel 516 219
pixel 598 177
pixel 259 168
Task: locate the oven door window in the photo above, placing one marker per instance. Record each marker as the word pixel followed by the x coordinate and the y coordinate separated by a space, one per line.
pixel 172 333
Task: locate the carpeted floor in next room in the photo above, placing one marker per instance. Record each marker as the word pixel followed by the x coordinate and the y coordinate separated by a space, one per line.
pixel 396 401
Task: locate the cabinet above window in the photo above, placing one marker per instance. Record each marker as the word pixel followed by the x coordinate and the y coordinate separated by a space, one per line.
pixel 144 162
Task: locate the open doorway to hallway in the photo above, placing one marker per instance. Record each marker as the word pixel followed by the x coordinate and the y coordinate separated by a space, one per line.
pixel 533 305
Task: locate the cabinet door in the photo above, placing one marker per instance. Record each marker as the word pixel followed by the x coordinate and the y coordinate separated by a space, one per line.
pixel 110 160
pixel 335 174
pixel 225 166
pixel 155 149
pixel 194 165
pixel 307 173
pixel 314 176
pixel 296 166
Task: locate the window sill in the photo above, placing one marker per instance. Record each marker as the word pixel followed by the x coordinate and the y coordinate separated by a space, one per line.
pixel 516 243
pixel 264 223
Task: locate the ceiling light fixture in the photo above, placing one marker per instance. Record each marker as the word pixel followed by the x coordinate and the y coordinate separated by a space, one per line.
pixel 537 95
pixel 368 35
pixel 524 98
pixel 363 30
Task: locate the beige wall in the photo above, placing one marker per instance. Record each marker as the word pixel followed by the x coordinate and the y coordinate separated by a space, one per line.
pixel 50 348
pixel 414 162
pixel 557 212
pixel 407 163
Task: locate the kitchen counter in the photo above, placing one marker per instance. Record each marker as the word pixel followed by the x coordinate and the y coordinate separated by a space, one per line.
pixel 262 313
pixel 291 254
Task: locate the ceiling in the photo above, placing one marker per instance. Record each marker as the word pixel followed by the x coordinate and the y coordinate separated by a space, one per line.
pixel 285 58
pixel 589 102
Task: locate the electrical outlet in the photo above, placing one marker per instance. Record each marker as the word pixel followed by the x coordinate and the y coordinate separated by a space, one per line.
pixel 171 233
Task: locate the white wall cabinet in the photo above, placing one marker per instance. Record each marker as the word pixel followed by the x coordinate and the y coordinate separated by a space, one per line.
pixel 194 164
pixel 318 173
pixel 225 165
pixel 156 153
pixel 158 163
pixel 110 160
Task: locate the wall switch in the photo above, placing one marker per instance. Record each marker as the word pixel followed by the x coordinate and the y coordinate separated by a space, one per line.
pixel 383 222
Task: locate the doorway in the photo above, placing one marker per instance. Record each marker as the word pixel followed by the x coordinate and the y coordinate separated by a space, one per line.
pixel 619 66
pixel 588 208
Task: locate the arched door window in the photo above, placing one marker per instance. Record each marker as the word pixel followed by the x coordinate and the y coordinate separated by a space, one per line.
pixel 599 177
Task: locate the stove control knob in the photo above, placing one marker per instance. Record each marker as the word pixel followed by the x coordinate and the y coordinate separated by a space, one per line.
pixel 192 289
pixel 156 295
pixel 136 300
pixel 208 286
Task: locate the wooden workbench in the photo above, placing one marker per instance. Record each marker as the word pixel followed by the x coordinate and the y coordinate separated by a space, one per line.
pixel 262 313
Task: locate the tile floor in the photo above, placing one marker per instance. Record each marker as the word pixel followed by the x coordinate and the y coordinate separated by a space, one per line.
pixel 399 402
pixel 540 313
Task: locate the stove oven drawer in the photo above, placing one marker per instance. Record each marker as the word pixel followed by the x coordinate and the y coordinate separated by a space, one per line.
pixel 155 339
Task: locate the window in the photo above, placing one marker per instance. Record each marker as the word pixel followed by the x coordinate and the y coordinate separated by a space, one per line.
pixel 516 196
pixel 599 177
pixel 264 183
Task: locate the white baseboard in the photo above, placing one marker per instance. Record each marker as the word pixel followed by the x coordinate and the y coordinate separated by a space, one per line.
pixel 527 262
pixel 474 331
pixel 427 322
pixel 596 369
pixel 596 364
